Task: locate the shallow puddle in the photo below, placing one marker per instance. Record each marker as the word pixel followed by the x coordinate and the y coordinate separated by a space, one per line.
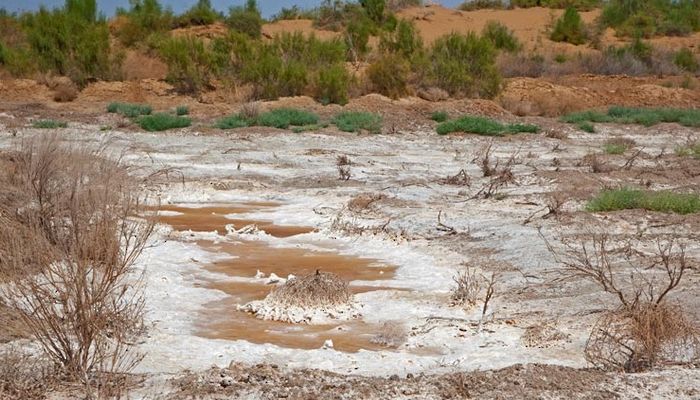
pixel 222 320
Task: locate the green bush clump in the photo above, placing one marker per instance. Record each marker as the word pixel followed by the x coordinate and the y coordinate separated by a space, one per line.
pixel 586 127
pixel 471 5
pixel 404 41
pixel 501 37
pixel 283 118
pixel 582 5
pixel 202 13
pixel 162 122
pixel 685 60
pixel 129 110
pixel 49 124
pixel 144 18
pixel 294 12
pixel 389 75
pixel 333 84
pixel 641 116
pixel 351 121
pixel 440 116
pixel 465 65
pixel 569 28
pixel 483 126
pixel 232 122
pixel 647 18
pixel 182 110
pixel 190 61
pixel 246 19
pixel 662 201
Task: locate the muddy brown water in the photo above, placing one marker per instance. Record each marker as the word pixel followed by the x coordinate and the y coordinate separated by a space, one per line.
pixel 222 320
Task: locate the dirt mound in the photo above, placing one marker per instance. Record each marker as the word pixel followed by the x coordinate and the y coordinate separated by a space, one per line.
pixel 24 91
pixel 138 65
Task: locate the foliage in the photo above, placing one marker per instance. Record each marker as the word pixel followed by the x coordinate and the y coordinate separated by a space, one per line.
pixel 685 60
pixel 232 122
pixel 471 5
pixel 283 118
pixel 439 116
pixel 246 19
pixel 374 9
pixel 129 110
pixel 182 110
pixel 501 37
pixel 357 34
pixel 389 75
pixel 144 18
pixel 647 18
pixel 404 40
pixel 294 12
pixel 465 65
pixel 483 126
pixel 614 148
pixel 569 28
pixel 163 121
pixel 332 84
pixel 49 124
pixel 641 116
pixel 586 127
pixel 190 63
pixel 202 13
pixel 662 201
pixel 350 121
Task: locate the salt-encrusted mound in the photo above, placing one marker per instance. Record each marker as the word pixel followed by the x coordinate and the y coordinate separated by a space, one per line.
pixel 314 298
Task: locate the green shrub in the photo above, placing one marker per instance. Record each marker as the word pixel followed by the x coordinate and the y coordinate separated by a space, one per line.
pixel 689 150
pixel 144 18
pixel 294 12
pixel 246 19
pixel 662 201
pixel 129 110
pixel 389 75
pixel 182 110
pixel 560 58
pixel 685 60
pixel 471 5
pixel 191 64
pixel 483 126
pixel 333 84
pixel 501 37
pixel 613 148
pixel 232 122
pixel 404 40
pixel 357 34
pixel 440 116
pixel 163 121
pixel 283 118
pixel 569 28
pixel 49 124
pixel 350 121
pixel 586 127
pixel 374 9
pixel 202 13
pixel 646 18
pixel 641 116
pixel 465 65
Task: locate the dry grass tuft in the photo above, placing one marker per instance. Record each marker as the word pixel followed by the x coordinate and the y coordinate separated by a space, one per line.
pixel 467 289
pixel 317 290
pixel 343 163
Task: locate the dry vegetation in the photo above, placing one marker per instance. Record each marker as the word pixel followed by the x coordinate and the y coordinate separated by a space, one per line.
pixel 70 241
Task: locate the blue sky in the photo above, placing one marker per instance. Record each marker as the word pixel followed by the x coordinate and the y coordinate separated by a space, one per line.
pixel 268 7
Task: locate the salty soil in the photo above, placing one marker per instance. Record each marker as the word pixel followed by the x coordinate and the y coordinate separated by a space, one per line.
pixel 416 210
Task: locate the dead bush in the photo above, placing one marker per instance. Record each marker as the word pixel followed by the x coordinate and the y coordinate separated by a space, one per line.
pixel 461 178
pixel 556 134
pixel 467 289
pixel 65 92
pixel 501 176
pixel 23 376
pixel 317 290
pixel 391 334
pixel 595 163
pixel 79 300
pixel 645 329
pixel 363 202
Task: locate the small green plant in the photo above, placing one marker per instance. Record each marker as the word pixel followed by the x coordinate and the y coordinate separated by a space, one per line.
pixel 350 121
pixel 440 116
pixel 614 148
pixel 560 58
pixel 483 126
pixel 569 28
pixel 641 116
pixel 501 37
pixel 129 110
pixel 692 149
pixel 283 118
pixel 471 5
pixel 662 201
pixel 182 110
pixel 685 60
pixel 246 19
pixel 586 127
pixel 163 121
pixel 232 122
pixel 332 84
pixel 49 124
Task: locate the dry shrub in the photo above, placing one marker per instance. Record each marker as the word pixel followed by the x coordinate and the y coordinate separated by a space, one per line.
pixel 640 338
pixel 595 163
pixel 343 163
pixel 65 92
pixel 76 296
pixel 433 94
pixel 250 111
pixel 621 141
pixel 461 178
pixel 391 334
pixel 466 292
pixel 644 330
pixel 23 376
pixel 556 134
pixel 363 202
pixel 317 290
pixel 500 175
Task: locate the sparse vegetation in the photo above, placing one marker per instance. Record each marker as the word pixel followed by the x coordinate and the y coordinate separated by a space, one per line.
pixel 232 122
pixel 501 37
pixel 586 127
pixel 349 121
pixel 618 145
pixel 182 110
pixel 246 19
pixel 440 116
pixel 162 122
pixel 569 28
pixel 636 18
pixel 471 5
pixel 129 110
pixel 483 126
pixel 632 115
pixel 661 201
pixel 49 124
pixel 283 118
pixel 686 60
